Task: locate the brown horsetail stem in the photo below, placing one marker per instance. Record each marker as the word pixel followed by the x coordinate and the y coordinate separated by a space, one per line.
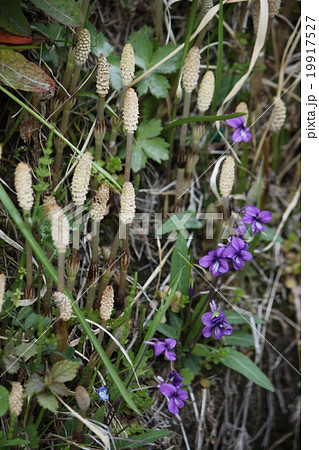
pixel 130 120
pixel 24 190
pixel 61 326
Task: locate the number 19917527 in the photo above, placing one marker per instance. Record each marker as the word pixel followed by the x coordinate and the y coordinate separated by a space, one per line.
pixel 310 47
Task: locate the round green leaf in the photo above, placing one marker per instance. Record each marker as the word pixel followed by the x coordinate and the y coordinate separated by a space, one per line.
pixel 4 399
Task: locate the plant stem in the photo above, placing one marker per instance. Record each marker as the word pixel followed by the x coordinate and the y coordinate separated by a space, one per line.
pixel 158 9
pixel 129 144
pixel 61 266
pixel 218 74
pixel 76 230
pixel 186 107
pixel 122 96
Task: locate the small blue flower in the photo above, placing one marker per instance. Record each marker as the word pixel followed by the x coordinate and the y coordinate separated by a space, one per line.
pixel 102 392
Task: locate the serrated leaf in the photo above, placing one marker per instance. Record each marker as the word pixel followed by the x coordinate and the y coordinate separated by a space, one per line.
pixel 188 376
pixel 17 72
pixel 64 371
pixel 58 388
pixel 142 43
pixel 67 12
pixel 142 86
pixel 12 18
pixel 26 350
pixel 183 220
pixel 34 385
pixel 240 338
pixel 33 436
pixel 156 149
pixel 48 401
pixel 138 158
pixel 150 129
pixel 239 362
pixel 4 399
pixel 179 264
pixel 158 85
pixel 11 363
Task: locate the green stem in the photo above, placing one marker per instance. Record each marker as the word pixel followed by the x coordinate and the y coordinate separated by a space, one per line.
pixel 68 69
pixel 122 96
pixel 11 426
pixel 75 78
pixel 186 107
pixel 218 74
pixel 191 119
pixel 40 416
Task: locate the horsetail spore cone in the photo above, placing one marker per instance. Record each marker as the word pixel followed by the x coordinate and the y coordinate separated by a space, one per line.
pixel 242 108
pixel 98 205
pixel 191 69
pixel 64 305
pixel 23 185
pixel 16 399
pixel 278 115
pixel 127 202
pixel 107 303
pixel 130 111
pixel 127 65
pixel 83 47
pixel 206 91
pixel 81 179
pixel 227 176
pixel 102 76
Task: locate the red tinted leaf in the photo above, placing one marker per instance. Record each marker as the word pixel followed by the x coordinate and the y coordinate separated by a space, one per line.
pixel 16 71
pixel 9 38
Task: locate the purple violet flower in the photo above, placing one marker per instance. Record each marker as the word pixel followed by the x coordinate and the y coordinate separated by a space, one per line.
pixel 215 322
pixel 176 396
pixel 256 218
pixel 163 345
pixel 241 133
pixel 102 393
pixel 237 251
pixel 216 261
pixel 176 379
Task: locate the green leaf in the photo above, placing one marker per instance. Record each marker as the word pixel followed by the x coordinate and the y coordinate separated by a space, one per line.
pixel 179 264
pixel 138 158
pixel 188 376
pixel 269 234
pixel 193 364
pixel 48 401
pixel 33 436
pixel 239 362
pixel 19 73
pixel 158 85
pixel 115 72
pixel 58 388
pixel 150 129
pixel 240 338
pixel 141 439
pixel 34 385
pixel 202 350
pixel 63 371
pixel 26 350
pixel 194 329
pixel 169 66
pixel 183 220
pixel 12 18
pixel 11 363
pixel 98 42
pixel 156 149
pixel 166 330
pixel 67 12
pixel 142 43
pixel 4 398
pixel 234 318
